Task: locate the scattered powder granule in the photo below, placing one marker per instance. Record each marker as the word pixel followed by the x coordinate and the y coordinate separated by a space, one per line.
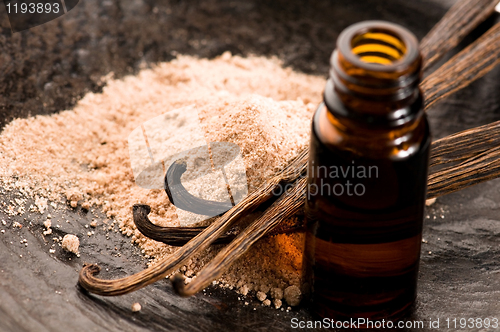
pixel 136 307
pixel 47 223
pixel 243 290
pixel 267 302
pixel 277 303
pixel 82 154
pixel 71 243
pixel 41 203
pixel 73 196
pixel 431 201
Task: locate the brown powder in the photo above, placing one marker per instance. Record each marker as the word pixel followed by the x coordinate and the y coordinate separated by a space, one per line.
pixel 81 155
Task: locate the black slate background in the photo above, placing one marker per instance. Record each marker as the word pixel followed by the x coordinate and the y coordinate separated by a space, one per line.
pixel 48 68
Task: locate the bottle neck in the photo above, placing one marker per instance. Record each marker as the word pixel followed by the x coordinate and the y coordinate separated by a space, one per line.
pixel 374 76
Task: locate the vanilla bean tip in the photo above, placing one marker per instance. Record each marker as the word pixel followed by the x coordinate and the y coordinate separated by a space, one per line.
pixel 178 284
pixel 141 208
pixel 87 274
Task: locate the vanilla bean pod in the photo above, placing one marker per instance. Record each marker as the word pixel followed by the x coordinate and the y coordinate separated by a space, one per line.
pixel 464 145
pixel 470 64
pixel 480 168
pixel 89 282
pixel 458 21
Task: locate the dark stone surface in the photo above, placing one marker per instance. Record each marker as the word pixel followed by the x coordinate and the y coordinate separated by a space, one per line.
pixel 46 69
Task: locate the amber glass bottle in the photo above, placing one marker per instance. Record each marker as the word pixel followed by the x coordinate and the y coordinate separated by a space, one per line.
pixel 367 177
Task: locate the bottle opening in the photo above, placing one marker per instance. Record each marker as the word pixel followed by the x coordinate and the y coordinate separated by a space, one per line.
pixel 378 47
pixel 375 74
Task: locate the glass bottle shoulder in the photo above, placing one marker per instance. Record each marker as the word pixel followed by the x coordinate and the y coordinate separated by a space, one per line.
pixel 394 143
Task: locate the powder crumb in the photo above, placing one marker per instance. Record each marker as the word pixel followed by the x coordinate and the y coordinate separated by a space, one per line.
pixel 86 206
pixel 267 302
pixel 293 295
pixel 17 225
pixel 264 288
pixel 276 293
pixel 47 223
pixel 93 224
pixel 136 307
pixel 73 194
pixel 71 243
pixel 431 201
pixel 41 203
pixel 261 296
pixel 243 290
pixel 277 303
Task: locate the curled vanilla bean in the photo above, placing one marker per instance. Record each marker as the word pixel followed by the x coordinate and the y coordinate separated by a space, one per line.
pixel 181 198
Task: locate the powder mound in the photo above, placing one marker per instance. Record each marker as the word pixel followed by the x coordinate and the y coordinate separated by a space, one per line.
pixel 82 155
pixel 71 243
